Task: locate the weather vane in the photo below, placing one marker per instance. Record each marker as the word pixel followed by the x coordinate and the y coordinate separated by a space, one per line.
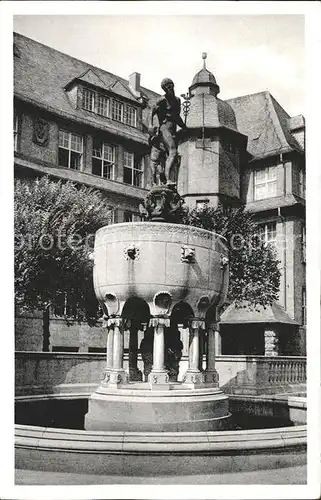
pixel 204 56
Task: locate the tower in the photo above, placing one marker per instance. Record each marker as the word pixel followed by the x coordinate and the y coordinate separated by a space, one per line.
pixel 211 148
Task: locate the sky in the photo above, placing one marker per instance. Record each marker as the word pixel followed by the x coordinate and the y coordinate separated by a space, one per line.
pixel 246 53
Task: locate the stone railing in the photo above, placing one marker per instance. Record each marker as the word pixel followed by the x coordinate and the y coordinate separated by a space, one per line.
pixel 48 372
pixel 261 374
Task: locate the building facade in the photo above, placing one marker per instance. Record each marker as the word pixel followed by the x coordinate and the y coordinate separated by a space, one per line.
pixel 76 122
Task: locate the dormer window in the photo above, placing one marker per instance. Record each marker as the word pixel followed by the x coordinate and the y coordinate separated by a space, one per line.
pixel 131 116
pixel 95 102
pixel 117 111
pixel 88 100
pixel 102 105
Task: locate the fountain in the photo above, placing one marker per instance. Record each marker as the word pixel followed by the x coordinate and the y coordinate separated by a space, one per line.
pixel 159 430
pixel 172 268
pixel 157 276
pixel 172 271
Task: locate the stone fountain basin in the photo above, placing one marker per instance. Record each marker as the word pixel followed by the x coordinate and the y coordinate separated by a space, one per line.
pixel 158 265
pixel 156 453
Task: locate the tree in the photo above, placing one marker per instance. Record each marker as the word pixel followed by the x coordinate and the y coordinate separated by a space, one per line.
pixel 254 267
pixel 55 224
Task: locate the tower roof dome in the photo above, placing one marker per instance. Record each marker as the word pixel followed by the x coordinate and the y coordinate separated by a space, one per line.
pixel 206 109
pixel 204 81
pixel 204 76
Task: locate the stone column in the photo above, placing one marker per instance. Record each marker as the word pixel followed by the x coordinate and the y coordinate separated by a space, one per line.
pixel 193 375
pixel 110 348
pixel 118 346
pixel 218 341
pixel 105 376
pixel 159 376
pixel 211 375
pixel 270 342
pixel 134 373
pixel 115 375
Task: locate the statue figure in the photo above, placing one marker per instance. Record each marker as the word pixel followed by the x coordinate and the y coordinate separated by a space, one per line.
pixel 162 137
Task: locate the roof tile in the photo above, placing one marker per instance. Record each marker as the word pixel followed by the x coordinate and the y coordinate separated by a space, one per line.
pixel 273 313
pixel 265 122
pixel 42 73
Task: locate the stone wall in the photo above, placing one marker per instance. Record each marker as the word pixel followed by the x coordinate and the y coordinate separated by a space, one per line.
pixel 198 176
pixel 48 153
pixel 28 332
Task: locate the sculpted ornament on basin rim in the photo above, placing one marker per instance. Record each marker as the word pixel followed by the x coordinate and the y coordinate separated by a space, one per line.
pixel 162 264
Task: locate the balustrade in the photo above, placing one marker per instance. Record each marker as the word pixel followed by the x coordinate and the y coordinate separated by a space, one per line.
pixel 282 370
pixel 38 370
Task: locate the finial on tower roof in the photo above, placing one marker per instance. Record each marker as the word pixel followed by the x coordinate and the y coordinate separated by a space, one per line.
pixel 204 56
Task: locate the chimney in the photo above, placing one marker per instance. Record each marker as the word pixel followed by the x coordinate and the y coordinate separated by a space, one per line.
pixel 134 84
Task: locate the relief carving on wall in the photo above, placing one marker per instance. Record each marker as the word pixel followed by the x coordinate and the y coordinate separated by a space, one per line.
pixel 40 132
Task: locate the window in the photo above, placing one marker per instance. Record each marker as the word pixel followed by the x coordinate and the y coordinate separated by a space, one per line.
pixel 64 348
pixel 131 216
pixel 70 150
pixel 265 183
pixel 133 170
pixel 131 116
pixel 112 215
pixel 64 305
pixel 301 183
pixel 267 233
pixel 303 241
pixel 103 160
pixel 304 307
pixel 201 204
pixel 102 105
pixel 117 110
pixel 95 102
pixel 15 131
pixel 97 349
pixel 88 100
pixel 229 146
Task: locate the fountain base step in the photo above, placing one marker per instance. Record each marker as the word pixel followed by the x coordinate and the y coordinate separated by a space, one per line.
pixel 135 408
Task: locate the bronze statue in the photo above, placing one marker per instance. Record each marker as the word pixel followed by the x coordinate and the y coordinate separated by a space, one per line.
pixel 162 137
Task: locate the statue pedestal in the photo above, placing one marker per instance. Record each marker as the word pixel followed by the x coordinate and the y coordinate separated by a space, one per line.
pixel 163 203
pixel 159 380
pixel 194 379
pixel 211 377
pixel 114 378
